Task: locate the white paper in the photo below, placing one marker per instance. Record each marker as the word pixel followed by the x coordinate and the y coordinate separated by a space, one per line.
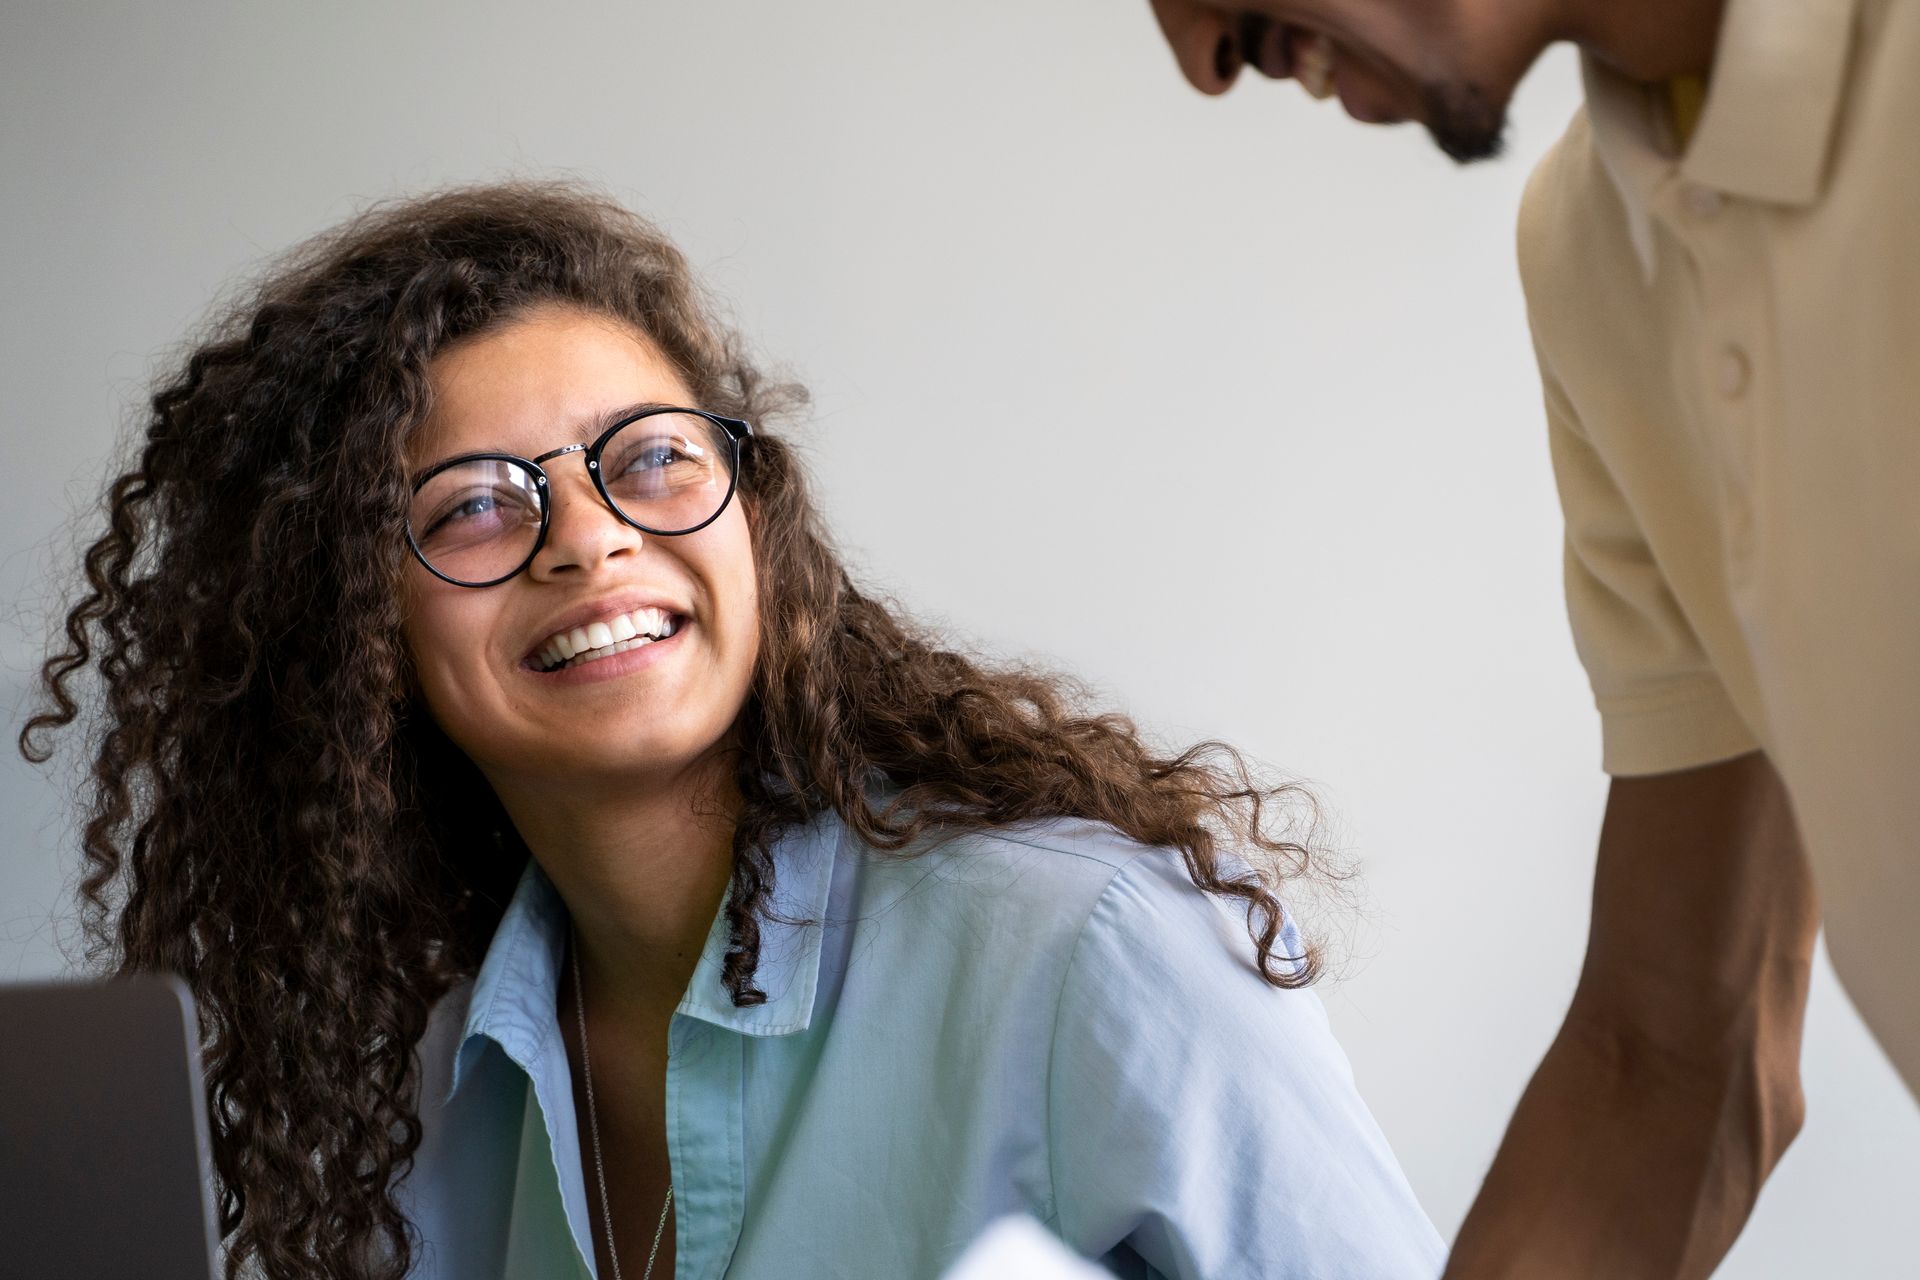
pixel 1018 1248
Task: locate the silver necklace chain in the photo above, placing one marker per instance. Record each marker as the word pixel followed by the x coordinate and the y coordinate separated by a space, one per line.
pixel 593 1127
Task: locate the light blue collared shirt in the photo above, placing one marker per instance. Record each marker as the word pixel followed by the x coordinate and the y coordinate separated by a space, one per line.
pixel 1049 1020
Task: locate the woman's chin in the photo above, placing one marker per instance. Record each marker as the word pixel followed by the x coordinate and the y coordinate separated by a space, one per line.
pixel 609 758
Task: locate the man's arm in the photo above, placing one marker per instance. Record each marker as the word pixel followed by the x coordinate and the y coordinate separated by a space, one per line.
pixel 1673 1087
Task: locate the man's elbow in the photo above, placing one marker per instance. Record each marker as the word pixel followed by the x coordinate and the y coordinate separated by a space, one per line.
pixel 1733 1081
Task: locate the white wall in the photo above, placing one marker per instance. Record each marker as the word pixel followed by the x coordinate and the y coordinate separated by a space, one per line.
pixel 962 227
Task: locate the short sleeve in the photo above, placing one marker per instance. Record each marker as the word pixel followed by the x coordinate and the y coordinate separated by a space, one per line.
pixel 1662 706
pixel 1205 1120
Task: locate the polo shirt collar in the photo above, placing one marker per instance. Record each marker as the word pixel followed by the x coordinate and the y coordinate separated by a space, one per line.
pixel 515 996
pixel 1779 72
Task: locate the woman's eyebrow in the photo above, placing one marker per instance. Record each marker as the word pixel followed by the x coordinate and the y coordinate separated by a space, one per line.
pixel 593 427
pixel 589 429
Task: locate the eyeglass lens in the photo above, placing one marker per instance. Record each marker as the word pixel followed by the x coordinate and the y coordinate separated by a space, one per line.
pixel 478 521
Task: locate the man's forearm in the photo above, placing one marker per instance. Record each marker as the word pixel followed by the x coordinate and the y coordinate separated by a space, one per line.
pixel 1625 1160
pixel 1673 1087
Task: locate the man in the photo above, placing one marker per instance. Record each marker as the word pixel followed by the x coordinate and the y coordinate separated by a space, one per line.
pixel 1723 282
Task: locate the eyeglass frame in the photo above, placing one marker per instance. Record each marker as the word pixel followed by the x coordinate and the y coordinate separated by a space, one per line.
pixel 738 433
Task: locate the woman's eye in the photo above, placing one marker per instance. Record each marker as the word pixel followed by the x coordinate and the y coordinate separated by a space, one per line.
pixel 478 505
pixel 472 514
pixel 652 457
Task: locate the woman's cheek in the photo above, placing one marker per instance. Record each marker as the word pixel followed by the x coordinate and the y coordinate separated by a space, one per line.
pixel 448 668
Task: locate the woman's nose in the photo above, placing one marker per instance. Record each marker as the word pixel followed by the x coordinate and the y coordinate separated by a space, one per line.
pixel 583 533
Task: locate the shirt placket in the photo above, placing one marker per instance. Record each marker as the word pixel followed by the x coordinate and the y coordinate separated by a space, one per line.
pixel 706 1141
pixel 1727 351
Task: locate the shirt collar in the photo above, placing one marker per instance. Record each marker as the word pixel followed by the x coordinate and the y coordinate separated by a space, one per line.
pixel 790 939
pixel 514 999
pixel 1779 70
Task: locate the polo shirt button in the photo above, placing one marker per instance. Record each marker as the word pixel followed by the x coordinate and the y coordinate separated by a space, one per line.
pixel 1734 372
pixel 1702 202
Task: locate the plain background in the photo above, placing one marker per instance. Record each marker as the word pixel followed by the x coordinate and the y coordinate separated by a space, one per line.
pixel 1227 406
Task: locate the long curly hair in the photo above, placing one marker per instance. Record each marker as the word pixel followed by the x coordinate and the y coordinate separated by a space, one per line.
pixel 267 811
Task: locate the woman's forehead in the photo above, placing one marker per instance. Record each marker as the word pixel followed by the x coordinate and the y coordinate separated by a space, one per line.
pixel 540 381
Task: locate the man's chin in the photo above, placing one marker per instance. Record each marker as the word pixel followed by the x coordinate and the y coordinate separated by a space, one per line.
pixel 1463 123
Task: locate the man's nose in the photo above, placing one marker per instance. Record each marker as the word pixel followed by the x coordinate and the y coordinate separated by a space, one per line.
pixel 1204 41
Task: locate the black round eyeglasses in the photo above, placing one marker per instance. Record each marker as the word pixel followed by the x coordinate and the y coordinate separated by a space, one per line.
pixel 479 519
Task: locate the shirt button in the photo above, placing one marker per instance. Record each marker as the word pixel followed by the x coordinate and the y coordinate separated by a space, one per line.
pixel 1701 202
pixel 1734 372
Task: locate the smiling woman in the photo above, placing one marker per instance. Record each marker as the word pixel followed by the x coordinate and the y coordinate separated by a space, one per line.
pixel 464 624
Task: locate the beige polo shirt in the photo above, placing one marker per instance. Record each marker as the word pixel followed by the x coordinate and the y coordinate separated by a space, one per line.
pixel 1729 338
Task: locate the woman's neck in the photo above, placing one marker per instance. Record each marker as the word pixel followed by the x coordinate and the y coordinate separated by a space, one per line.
pixel 643 868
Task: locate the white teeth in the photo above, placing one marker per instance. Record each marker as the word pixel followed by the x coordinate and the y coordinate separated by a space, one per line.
pixel 1313 63
pixel 602 639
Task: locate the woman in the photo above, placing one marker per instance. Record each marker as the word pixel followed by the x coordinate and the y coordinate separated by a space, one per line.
pixel 579 875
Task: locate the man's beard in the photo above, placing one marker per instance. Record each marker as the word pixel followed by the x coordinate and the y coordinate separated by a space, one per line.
pixel 1463 123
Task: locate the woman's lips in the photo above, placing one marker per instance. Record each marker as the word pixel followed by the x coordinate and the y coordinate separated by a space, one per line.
pixel 617 632
pixel 615 665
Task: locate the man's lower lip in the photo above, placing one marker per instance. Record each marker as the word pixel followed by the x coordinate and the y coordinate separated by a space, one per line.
pixel 1362 115
pixel 1356 106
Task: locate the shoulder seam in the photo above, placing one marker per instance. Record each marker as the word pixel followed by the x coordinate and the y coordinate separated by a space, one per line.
pixel 1054 1211
pixel 1058 847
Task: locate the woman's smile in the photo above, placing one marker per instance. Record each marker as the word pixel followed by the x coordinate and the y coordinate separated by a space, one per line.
pixel 614 658
pixel 598 630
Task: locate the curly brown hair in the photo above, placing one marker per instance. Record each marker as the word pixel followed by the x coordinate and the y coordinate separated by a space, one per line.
pixel 267 811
